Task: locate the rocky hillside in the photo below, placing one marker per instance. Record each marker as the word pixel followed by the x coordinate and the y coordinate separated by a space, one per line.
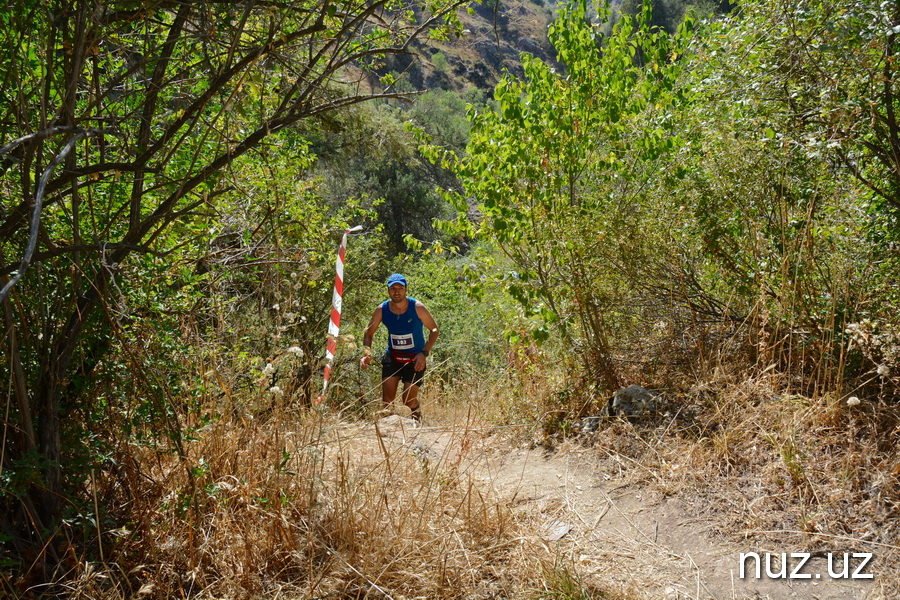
pixel 495 33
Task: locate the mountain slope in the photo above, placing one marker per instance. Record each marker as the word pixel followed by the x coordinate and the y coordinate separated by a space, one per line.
pixel 494 36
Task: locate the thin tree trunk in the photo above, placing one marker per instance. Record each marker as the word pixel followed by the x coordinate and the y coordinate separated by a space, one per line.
pixel 50 386
pixel 18 376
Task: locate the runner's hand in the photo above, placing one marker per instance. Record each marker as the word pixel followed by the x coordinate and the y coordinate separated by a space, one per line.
pixel 420 362
pixel 364 362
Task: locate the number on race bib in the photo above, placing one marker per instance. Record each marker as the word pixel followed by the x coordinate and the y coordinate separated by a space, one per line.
pixel 401 342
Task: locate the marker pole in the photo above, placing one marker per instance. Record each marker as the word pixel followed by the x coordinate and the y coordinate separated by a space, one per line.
pixel 334 325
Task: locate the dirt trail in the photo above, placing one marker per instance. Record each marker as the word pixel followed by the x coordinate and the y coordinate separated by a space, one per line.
pixel 622 533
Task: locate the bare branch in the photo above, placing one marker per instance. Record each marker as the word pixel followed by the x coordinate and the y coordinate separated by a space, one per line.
pixel 63 250
pixel 36 213
pixel 46 133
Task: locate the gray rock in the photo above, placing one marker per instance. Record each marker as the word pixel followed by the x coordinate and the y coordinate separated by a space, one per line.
pixel 423 451
pixel 632 401
pixel 590 424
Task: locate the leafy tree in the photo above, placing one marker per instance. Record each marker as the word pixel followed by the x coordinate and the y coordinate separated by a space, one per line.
pixel 788 176
pixel 442 115
pixel 119 120
pixel 828 71
pixel 369 153
pixel 559 172
pixel 667 14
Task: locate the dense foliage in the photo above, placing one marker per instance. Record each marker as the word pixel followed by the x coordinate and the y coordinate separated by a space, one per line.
pixel 561 170
pixel 730 185
pixel 153 186
pixel 684 196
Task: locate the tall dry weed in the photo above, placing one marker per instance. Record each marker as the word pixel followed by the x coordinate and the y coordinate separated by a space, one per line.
pixel 299 503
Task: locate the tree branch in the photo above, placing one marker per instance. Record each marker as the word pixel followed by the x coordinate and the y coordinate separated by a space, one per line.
pixel 63 250
pixel 149 107
pixel 46 133
pixel 36 213
pixel 862 178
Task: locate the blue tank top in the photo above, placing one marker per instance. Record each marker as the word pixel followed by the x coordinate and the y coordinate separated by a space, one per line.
pixel 405 338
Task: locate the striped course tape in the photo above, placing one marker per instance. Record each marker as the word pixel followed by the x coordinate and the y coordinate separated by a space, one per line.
pixel 334 325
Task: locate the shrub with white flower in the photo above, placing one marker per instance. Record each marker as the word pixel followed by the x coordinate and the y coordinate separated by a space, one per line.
pixel 852 401
pixel 296 351
pixel 276 390
pixel 879 342
pixel 269 369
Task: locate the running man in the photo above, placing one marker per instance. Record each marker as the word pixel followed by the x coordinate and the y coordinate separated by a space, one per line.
pixel 407 350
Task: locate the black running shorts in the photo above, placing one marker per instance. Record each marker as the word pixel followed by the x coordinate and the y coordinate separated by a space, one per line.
pixel 405 371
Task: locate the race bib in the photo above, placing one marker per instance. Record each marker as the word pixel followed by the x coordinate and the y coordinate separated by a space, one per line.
pixel 402 342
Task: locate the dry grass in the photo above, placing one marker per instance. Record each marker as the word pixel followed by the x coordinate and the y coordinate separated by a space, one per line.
pixel 302 504
pixel 780 470
pixel 309 504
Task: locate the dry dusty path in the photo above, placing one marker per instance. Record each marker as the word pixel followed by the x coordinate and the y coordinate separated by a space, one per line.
pixel 632 537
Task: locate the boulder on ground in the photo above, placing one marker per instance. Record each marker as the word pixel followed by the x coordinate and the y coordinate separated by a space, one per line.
pixel 632 401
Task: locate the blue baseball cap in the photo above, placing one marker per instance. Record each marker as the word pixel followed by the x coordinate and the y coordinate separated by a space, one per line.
pixel 396 278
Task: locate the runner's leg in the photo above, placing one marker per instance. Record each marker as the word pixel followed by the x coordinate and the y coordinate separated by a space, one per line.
pixel 389 387
pixel 411 399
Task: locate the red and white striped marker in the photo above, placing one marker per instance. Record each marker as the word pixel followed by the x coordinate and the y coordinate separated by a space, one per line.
pixel 334 325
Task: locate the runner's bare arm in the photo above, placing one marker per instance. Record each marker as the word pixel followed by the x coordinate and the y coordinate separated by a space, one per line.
pixel 367 338
pixel 429 323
